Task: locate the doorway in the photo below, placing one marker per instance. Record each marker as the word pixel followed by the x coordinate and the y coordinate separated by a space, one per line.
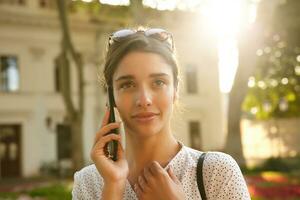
pixel 10 151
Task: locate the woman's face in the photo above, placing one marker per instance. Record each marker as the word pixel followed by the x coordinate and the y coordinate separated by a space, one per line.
pixel 144 93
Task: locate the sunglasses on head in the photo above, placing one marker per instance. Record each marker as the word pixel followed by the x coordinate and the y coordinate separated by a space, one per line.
pixel 156 33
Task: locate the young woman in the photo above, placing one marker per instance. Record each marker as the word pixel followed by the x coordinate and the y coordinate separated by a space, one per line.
pixel 141 68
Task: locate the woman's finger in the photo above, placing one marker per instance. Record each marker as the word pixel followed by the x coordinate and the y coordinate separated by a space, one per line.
pixel 105 139
pixel 155 168
pixel 99 148
pixel 105 118
pixel 138 191
pixel 121 152
pixel 172 175
pixel 142 183
pixel 147 174
pixel 104 130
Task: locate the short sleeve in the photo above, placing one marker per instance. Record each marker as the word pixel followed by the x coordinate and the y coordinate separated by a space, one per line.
pixel 77 188
pixel 87 184
pixel 223 178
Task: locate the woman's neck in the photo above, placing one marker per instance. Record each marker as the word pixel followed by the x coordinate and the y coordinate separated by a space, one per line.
pixel 140 152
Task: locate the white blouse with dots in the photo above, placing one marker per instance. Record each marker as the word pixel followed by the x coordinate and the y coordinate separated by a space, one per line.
pixel 222 178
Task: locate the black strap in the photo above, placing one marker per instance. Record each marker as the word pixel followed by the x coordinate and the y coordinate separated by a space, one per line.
pixel 200 176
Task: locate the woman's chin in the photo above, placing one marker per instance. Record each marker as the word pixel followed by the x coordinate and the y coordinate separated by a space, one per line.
pixel 145 131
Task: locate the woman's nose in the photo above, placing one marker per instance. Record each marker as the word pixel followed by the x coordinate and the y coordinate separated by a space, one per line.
pixel 144 98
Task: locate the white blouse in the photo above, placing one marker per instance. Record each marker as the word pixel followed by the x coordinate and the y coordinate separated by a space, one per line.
pixel 221 175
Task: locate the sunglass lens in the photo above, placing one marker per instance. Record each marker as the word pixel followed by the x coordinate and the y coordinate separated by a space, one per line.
pixel 158 33
pixel 123 33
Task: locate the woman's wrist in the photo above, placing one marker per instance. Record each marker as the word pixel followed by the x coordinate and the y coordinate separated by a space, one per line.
pixel 113 191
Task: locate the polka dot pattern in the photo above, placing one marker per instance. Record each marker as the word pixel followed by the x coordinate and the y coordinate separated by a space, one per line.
pixel 222 178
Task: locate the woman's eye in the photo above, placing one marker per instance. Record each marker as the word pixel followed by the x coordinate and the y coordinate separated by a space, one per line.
pixel 159 82
pixel 126 85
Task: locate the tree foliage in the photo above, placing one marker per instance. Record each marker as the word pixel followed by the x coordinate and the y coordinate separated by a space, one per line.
pixel 274 90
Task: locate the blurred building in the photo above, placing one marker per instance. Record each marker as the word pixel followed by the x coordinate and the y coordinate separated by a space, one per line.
pixel 33 132
pixel 274 138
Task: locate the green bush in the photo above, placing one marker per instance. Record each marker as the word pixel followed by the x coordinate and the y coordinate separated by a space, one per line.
pixel 8 196
pixel 53 192
pixel 276 164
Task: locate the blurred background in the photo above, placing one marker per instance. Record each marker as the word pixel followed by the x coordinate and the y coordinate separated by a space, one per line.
pixel 239 93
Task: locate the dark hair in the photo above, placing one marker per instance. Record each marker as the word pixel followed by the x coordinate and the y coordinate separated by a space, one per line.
pixel 141 43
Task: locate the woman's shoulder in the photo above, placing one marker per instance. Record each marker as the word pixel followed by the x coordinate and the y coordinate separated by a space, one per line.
pixel 88 172
pixel 216 165
pixel 222 176
pixel 87 183
pixel 88 177
pixel 213 159
pixel 219 162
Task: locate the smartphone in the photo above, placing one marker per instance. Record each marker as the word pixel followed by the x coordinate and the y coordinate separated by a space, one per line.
pixel 112 146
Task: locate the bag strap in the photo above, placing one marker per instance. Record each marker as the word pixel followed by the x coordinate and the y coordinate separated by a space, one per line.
pixel 200 176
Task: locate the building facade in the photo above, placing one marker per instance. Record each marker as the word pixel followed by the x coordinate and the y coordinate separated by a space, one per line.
pixel 33 133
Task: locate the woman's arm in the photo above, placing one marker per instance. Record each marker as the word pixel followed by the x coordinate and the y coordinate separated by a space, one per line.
pixel 114 173
pixel 113 191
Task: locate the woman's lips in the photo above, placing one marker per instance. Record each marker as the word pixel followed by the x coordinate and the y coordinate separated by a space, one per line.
pixel 145 116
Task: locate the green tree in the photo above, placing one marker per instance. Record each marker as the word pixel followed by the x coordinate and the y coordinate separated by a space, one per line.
pixel 274 89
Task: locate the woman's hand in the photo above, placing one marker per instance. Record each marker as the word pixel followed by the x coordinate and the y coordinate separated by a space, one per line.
pixel 113 172
pixel 157 183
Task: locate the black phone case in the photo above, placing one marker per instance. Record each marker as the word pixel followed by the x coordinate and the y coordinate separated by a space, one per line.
pixel 112 146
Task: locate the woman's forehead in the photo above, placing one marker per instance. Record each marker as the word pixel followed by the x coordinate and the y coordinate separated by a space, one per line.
pixel 142 64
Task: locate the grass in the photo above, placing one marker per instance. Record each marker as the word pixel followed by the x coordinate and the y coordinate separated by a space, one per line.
pixel 53 192
pixel 58 191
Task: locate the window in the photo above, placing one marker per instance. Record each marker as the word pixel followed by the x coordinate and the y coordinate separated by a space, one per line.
pixel 195 134
pixel 21 2
pixel 61 83
pixel 43 3
pixel 191 79
pixel 57 79
pixel 9 74
pixel 10 150
pixel 48 4
pixel 64 139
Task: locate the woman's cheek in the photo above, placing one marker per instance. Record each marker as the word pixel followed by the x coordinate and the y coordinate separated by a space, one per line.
pixel 123 104
pixel 168 95
pixel 165 102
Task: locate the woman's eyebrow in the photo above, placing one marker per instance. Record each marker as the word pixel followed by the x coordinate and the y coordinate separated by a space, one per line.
pixel 158 74
pixel 130 77
pixel 125 77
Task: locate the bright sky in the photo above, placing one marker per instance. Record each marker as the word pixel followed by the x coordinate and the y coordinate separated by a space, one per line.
pixel 225 18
